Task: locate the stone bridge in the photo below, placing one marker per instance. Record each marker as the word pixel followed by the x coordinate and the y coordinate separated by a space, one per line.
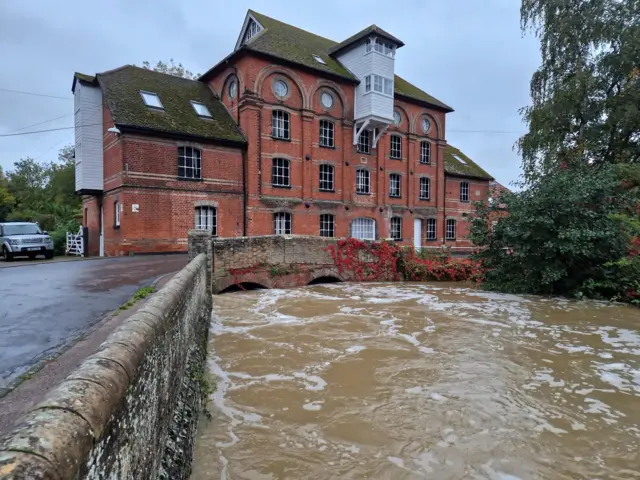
pixel 271 261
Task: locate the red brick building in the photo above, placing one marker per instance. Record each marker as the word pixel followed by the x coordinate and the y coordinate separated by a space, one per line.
pixel 291 133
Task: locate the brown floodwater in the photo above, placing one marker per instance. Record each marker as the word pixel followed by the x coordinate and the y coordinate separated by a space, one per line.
pixel 409 381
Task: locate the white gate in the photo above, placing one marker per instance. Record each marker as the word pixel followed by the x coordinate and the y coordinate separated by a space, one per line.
pixel 75 243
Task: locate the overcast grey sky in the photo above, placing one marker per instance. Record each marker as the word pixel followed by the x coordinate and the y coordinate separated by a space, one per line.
pixel 468 53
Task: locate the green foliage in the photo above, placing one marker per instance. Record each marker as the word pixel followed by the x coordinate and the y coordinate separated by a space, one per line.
pixel 586 92
pixel 59 234
pixel 142 293
pixel 171 68
pixel 41 192
pixel 566 234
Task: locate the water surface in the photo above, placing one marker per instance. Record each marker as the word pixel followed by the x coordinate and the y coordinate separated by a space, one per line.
pixel 410 381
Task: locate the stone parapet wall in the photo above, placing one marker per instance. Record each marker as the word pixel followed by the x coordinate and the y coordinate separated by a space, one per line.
pixel 131 409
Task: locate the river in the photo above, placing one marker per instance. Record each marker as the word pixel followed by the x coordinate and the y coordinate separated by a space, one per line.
pixel 410 381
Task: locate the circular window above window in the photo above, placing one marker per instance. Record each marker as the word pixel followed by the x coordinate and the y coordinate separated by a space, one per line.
pixel 426 125
pixel 396 117
pixel 280 88
pixel 326 99
pixel 233 89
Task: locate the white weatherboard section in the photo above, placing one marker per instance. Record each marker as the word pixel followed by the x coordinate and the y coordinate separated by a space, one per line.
pixel 362 63
pixel 88 123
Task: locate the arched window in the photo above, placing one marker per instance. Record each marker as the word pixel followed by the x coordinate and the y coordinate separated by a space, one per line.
pixel 363 228
pixel 280 124
pixel 189 161
pixel 206 218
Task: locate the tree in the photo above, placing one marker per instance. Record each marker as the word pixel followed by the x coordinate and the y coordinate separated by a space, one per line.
pixel 171 68
pixel 566 235
pixel 6 199
pixel 586 93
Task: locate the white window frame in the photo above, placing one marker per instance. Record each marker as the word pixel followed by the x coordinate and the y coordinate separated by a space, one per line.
pixel 116 219
pixel 431 228
pixel 395 150
pixel 252 29
pixel 327 134
pixel 280 125
pixel 327 225
pixel 388 86
pixel 151 100
pixel 451 229
pixel 201 109
pixel 395 182
pixel 206 218
pixel 280 172
pixel 378 81
pixel 363 228
pixel 395 230
pixel 327 177
pixel 367 83
pixel 363 181
pixel 282 223
pixel 464 192
pixel 424 188
pixel 189 163
pixel 425 152
pixel 364 142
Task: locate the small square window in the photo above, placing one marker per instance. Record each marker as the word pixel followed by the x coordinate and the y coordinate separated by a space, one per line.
pixel 151 100
pixel 201 109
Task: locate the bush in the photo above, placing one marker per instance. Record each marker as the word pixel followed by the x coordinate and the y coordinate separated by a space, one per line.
pixel 59 235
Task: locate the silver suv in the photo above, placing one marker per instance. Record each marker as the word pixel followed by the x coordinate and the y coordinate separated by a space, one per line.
pixel 24 239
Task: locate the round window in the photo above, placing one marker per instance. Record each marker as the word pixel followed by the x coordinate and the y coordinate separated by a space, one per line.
pixel 280 88
pixel 426 125
pixel 396 117
pixel 326 99
pixel 233 89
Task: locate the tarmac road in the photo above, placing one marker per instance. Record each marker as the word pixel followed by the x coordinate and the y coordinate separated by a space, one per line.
pixel 44 307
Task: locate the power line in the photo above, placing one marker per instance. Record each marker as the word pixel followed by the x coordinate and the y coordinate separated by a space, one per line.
pixel 486 131
pixel 34 94
pixel 40 123
pixel 49 130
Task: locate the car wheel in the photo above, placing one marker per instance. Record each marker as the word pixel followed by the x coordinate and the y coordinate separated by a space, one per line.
pixel 8 256
pixel 48 255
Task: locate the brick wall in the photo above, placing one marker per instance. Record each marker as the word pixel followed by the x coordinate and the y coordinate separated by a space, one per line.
pixel 456 209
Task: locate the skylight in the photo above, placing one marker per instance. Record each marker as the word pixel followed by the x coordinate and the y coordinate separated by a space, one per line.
pixel 319 60
pixel 201 109
pixel 151 100
pixel 459 158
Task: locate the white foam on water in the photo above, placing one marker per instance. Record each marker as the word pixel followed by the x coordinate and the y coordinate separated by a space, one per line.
pixel 417 389
pixel 396 461
pixel 355 349
pixel 313 406
pixel 437 397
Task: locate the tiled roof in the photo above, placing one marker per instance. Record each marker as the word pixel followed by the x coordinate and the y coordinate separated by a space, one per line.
pixel 292 44
pixel 121 91
pixel 453 165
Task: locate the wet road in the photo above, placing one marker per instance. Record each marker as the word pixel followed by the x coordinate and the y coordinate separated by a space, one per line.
pixel 44 307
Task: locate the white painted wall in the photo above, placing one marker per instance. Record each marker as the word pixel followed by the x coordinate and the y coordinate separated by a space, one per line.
pixel 88 132
pixel 362 63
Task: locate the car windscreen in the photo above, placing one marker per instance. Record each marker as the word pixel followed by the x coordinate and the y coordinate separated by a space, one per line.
pixel 25 229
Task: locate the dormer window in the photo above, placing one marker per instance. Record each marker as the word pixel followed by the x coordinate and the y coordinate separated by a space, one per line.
pixel 381 46
pixel 252 29
pixel 151 100
pixel 201 109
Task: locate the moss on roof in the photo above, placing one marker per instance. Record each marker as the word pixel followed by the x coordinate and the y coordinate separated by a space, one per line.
pixel 371 29
pixel 295 45
pixel 406 89
pixel 121 90
pixel 85 78
pixel 453 166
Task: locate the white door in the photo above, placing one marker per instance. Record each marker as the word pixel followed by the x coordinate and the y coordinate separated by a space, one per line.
pixel 417 233
pixel 101 231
